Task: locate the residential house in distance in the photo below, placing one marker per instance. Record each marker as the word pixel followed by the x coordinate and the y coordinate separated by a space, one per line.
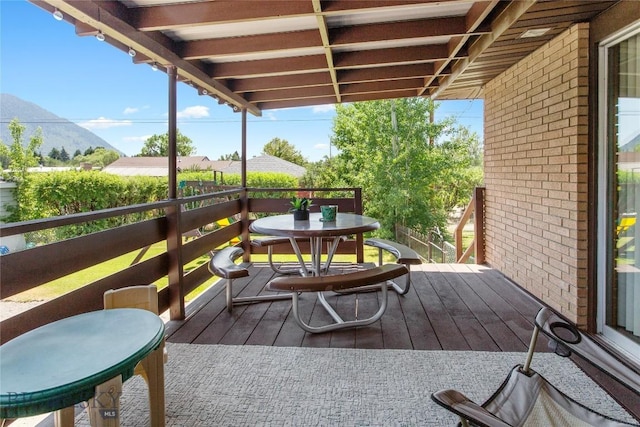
pixel 158 166
pixel 267 163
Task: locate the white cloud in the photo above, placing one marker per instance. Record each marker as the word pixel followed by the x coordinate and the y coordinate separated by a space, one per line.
pixel 104 123
pixel 323 108
pixel 195 112
pixel 131 110
pixel 142 138
pixel 321 146
pixel 269 115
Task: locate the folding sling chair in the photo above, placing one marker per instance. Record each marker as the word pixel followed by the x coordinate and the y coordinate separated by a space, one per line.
pixel 526 398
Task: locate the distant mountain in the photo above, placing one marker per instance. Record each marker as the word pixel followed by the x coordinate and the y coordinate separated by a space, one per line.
pixel 56 131
pixel 630 144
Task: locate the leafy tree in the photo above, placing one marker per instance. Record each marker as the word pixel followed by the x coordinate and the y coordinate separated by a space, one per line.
pixel 55 154
pixel 100 157
pixel 64 156
pixel 77 153
pixel 158 146
pixel 89 151
pixel 465 148
pixel 235 156
pixel 471 140
pixel 325 173
pixel 4 160
pixel 385 149
pixel 21 158
pixel 283 149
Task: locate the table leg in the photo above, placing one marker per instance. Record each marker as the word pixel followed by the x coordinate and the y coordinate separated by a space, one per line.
pixel 316 255
pixel 331 250
pixel 64 417
pixel 296 249
pixel 315 244
pixel 104 408
pixel 153 366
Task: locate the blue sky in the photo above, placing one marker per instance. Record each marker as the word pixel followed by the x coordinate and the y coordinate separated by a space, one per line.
pixel 98 87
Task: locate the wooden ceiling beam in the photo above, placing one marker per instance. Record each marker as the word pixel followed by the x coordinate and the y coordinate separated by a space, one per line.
pixel 382 86
pixel 210 48
pixel 397 30
pixel 385 73
pixel 474 18
pixel 398 55
pixel 566 7
pixel 266 67
pixel 280 82
pixel 317 53
pixel 284 94
pixel 84 30
pixel 441 67
pixel 382 95
pixel 183 15
pixel 292 103
pixel 356 6
pixel 323 30
pixel 477 14
pixel 506 19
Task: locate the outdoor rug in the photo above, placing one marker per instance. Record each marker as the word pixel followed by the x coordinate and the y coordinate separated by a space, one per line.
pixel 217 385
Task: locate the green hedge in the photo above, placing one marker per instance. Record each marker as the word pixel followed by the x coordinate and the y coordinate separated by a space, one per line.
pixel 65 193
pixel 74 192
pixel 263 180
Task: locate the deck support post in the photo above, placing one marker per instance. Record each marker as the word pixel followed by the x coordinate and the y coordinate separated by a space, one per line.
pixel 174 233
pixel 244 201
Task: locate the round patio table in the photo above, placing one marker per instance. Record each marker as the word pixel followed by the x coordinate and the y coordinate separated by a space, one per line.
pixel 60 364
pixel 315 229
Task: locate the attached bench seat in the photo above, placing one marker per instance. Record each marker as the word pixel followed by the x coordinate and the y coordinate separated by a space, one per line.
pixel 270 241
pixel 223 265
pixel 377 276
pixel 403 254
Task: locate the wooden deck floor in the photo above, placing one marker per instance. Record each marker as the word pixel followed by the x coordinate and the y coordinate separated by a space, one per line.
pixel 449 307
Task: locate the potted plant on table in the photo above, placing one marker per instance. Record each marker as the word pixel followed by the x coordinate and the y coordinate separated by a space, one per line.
pixel 300 208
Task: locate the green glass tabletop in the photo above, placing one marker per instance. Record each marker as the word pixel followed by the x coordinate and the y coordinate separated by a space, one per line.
pixel 59 364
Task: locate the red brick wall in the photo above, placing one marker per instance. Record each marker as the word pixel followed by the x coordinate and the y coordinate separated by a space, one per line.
pixel 536 124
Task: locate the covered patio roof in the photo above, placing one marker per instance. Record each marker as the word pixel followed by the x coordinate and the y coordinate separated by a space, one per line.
pixel 260 55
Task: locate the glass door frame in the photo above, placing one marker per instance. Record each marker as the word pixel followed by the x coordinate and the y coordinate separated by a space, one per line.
pixel 604 219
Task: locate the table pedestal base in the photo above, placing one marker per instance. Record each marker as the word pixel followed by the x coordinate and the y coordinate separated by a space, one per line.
pixel 315 244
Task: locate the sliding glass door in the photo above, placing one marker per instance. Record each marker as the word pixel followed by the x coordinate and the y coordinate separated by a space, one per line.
pixel 619 191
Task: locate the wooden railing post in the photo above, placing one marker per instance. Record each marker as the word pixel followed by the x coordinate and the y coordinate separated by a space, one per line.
pixel 458 239
pixel 478 224
pixel 244 217
pixel 460 255
pixel 174 232
pixel 176 270
pixel 359 238
pixel 475 207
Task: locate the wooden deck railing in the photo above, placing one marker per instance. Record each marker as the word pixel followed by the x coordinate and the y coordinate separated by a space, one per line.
pixel 475 208
pixel 168 221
